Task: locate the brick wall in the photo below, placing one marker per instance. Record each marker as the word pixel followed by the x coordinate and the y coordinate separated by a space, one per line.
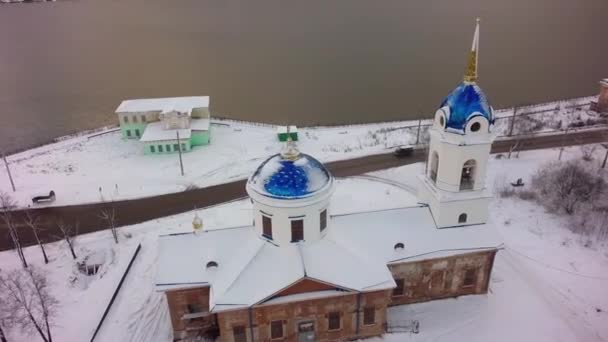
pixel 315 310
pixel 178 306
pixel 443 277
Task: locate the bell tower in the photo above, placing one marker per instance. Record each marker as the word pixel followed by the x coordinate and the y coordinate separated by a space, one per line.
pixel 453 184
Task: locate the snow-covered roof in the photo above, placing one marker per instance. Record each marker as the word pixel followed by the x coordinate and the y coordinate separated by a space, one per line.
pixel 283 129
pixel 376 233
pixel 165 104
pixel 183 257
pixel 199 124
pixel 155 132
pixel 252 269
pixel 353 256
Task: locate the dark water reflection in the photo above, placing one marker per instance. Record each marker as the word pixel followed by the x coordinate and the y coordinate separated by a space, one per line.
pixel 65 66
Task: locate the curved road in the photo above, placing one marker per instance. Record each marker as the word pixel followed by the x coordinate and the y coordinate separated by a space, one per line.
pixel 148 208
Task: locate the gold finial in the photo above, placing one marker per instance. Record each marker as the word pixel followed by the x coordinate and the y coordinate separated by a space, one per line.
pixel 471 73
pixel 290 150
pixel 197 223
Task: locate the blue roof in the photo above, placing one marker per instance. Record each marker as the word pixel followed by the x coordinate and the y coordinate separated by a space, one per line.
pixel 282 178
pixel 464 101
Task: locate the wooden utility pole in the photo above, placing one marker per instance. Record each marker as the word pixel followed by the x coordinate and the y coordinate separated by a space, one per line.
pixel 561 149
pixel 8 170
pixel 418 132
pixel 179 149
pixel 512 121
pixel 606 156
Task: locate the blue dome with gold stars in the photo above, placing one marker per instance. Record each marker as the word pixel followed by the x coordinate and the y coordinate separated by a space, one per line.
pixel 290 176
pixel 465 102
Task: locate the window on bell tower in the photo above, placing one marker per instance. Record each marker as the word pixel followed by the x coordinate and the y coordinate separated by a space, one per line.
pixel 467 178
pixel 434 166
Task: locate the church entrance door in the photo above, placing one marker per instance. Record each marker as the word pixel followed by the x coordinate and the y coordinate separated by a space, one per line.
pixel 306 332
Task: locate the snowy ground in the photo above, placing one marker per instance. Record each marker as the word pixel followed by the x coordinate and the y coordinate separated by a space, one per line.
pixel 93 167
pixel 546 286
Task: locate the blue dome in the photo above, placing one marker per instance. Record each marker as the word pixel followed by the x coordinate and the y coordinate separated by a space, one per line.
pixel 283 178
pixel 464 101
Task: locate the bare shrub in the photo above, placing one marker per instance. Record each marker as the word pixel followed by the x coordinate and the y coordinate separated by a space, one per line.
pixel 590 222
pixel 527 195
pixel 567 186
pixel 27 299
pixel 503 188
pixel 587 151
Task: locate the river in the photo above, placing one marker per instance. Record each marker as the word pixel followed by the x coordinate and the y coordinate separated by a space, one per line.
pixel 66 65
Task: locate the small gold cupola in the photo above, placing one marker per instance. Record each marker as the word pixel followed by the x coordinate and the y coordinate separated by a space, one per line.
pixel 197 223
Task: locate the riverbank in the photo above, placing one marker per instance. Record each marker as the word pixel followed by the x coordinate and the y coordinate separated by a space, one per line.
pixel 100 166
pixel 547 282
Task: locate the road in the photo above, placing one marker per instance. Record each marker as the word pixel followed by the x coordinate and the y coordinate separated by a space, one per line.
pixel 148 208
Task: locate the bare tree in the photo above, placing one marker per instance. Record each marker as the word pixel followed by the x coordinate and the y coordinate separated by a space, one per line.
pixel 68 233
pixel 567 185
pixel 7 205
pixel 513 148
pixel 32 221
pixel 108 214
pixel 2 336
pixel 3 316
pixel 29 301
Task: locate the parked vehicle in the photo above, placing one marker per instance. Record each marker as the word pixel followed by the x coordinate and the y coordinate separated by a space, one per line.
pixel 44 198
pixel 403 151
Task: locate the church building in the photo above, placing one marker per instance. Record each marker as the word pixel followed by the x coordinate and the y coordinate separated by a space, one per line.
pixel 299 273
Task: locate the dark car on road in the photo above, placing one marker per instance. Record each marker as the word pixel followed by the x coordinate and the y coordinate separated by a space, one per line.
pixel 403 151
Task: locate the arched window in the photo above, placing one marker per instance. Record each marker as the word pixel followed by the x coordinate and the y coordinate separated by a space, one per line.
pixel 399 246
pixel 462 218
pixel 475 126
pixel 212 265
pixel 434 166
pixel 467 178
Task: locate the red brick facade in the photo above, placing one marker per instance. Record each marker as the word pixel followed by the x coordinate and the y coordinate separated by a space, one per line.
pixel 421 280
pixel 349 306
pixel 442 277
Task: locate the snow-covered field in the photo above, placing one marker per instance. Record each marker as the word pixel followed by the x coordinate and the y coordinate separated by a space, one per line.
pixel 90 168
pixel 546 286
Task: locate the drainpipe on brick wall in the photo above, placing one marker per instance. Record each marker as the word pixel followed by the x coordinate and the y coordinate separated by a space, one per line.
pixel 251 324
pixel 358 311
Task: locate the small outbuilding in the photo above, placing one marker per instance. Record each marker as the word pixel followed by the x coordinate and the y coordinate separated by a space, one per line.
pixel 284 131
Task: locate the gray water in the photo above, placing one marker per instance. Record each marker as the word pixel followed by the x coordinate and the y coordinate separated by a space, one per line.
pixel 65 66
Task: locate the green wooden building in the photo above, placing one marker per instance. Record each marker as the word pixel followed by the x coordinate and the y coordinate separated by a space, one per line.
pixel 166 125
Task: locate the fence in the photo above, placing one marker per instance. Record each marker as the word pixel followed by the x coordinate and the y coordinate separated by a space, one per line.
pixel 544 118
pixel 122 279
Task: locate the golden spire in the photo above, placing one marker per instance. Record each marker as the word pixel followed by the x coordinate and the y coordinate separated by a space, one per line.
pixel 471 74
